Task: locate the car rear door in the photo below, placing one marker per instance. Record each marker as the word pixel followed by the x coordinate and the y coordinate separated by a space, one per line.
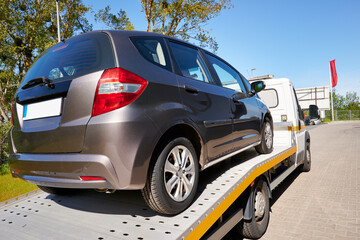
pixel 245 111
pixel 54 102
pixel 205 102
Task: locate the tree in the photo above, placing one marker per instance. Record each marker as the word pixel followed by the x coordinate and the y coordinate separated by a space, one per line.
pixel 117 22
pixel 338 100
pixel 184 18
pixel 28 27
pixel 352 101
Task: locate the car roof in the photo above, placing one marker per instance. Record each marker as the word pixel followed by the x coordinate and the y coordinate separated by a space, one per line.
pixel 122 33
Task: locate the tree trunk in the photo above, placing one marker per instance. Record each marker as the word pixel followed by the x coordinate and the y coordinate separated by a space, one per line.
pixel 3 115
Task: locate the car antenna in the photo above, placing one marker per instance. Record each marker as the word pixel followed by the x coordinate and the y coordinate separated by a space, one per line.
pixel 81 26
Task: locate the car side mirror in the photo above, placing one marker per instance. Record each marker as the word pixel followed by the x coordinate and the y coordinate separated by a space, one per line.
pixel 257 87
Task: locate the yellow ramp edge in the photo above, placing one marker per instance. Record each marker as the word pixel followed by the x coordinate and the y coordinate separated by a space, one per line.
pixel 204 226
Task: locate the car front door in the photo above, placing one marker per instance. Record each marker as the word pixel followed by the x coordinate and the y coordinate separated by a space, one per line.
pixel 244 108
pixel 205 102
pixel 299 129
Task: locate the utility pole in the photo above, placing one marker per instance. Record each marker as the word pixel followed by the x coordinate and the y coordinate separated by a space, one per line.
pixel 332 100
pixel 58 20
pixel 252 70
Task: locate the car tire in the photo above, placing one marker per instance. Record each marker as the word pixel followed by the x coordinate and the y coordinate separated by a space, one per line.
pixel 57 191
pixel 306 166
pixel 172 183
pixel 257 225
pixel 267 138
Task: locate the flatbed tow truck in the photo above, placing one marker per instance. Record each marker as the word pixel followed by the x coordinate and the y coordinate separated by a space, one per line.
pixel 228 197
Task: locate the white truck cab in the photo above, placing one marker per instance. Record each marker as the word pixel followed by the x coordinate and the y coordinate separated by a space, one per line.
pixel 280 97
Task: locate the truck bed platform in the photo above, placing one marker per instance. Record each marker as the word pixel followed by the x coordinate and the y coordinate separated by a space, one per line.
pixel 124 214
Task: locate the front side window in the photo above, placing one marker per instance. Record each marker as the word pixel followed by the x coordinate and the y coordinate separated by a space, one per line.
pixel 190 63
pixel 228 77
pixel 300 112
pixel 246 82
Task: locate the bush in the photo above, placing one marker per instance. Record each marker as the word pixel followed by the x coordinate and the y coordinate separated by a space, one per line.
pixel 4 168
pixel 4 129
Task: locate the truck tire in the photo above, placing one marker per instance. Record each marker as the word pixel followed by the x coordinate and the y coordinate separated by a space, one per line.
pixel 267 138
pixel 256 227
pixel 173 179
pixel 306 166
pixel 57 191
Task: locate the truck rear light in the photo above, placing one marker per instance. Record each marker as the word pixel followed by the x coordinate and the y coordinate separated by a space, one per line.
pixel 117 88
pixel 92 178
pixel 12 113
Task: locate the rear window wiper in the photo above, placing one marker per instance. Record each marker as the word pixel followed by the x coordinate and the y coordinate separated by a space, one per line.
pixel 44 81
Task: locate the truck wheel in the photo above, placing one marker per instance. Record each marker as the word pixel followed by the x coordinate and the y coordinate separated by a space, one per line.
pixel 256 227
pixel 267 138
pixel 306 166
pixel 173 179
pixel 57 191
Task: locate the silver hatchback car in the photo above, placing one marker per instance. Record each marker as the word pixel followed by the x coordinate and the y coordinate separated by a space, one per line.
pixel 132 110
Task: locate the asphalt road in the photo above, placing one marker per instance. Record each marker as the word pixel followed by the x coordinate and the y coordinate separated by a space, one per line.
pixel 324 203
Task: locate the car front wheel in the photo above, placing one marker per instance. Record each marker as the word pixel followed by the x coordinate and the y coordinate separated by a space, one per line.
pixel 267 138
pixel 172 182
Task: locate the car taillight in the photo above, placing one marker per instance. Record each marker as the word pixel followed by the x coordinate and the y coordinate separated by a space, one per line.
pixel 12 113
pixel 116 88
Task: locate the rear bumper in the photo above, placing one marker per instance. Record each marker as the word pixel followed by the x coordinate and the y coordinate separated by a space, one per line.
pixel 64 170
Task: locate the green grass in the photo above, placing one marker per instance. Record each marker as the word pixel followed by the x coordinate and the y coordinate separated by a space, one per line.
pixel 12 187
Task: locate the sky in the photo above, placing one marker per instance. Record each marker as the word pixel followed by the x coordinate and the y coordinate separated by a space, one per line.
pixel 293 39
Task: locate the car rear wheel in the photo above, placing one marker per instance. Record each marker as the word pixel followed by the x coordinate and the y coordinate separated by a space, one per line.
pixel 267 138
pixel 172 182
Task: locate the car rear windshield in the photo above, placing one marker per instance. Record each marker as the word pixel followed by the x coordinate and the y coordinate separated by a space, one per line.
pixel 74 58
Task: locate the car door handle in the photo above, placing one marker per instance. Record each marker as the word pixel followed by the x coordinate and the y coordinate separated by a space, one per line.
pixel 191 89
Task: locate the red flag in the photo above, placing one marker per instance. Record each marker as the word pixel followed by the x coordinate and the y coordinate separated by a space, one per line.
pixel 334 77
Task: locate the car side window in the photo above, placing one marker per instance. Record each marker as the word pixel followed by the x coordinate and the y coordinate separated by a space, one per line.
pixel 190 62
pixel 228 77
pixel 299 110
pixel 270 97
pixel 153 50
pixel 246 82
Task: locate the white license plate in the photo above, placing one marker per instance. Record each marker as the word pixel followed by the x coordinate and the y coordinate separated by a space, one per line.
pixel 43 109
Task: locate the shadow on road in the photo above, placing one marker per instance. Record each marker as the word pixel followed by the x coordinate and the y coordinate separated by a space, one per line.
pixel 283 186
